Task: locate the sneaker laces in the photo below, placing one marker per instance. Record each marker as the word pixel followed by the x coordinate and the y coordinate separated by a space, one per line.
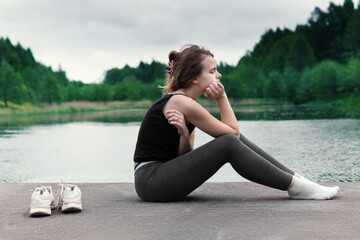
pixel 60 192
pixel 41 189
pixel 59 195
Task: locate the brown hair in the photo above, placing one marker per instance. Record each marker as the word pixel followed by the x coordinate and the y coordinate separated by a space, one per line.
pixel 187 66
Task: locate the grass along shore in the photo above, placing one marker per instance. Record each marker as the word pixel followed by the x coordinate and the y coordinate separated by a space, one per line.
pixel 31 114
pixel 88 107
pixel 135 110
pixel 70 107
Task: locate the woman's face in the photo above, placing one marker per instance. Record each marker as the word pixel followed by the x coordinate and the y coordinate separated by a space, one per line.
pixel 209 73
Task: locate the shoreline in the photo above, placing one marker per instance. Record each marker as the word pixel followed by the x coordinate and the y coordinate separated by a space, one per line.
pixel 129 111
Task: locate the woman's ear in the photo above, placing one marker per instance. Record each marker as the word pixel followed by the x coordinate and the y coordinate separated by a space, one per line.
pixel 195 81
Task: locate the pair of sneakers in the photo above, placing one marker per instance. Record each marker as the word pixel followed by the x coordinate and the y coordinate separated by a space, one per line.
pixel 43 201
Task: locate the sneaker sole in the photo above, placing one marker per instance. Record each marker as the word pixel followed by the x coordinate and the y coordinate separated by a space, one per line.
pixel 37 212
pixel 72 207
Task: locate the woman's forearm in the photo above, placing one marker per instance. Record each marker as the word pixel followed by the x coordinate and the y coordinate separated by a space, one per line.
pixel 227 114
pixel 185 145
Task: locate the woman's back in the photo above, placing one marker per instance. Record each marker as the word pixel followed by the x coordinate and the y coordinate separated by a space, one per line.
pixel 157 139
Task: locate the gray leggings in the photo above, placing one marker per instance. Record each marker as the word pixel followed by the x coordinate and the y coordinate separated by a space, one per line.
pixel 177 178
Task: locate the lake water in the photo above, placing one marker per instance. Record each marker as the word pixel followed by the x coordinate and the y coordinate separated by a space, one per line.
pixel 322 150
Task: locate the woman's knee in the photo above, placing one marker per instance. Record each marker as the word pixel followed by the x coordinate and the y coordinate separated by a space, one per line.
pixel 229 142
pixel 229 138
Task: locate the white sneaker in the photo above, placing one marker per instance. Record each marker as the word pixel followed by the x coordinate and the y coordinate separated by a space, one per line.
pixel 69 198
pixel 42 201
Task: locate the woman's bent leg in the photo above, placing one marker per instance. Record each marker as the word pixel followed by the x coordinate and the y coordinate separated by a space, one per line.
pixel 265 155
pixel 175 179
pixel 256 168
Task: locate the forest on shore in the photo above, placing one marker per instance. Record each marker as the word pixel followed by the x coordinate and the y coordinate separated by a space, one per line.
pixel 317 62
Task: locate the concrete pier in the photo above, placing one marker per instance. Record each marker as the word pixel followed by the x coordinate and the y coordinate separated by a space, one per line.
pixel 214 211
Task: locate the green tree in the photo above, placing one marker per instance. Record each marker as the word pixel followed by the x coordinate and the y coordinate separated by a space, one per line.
pixel 352 34
pixel 102 93
pixel 274 85
pixel 328 28
pixel 277 57
pixel 224 68
pixel 157 71
pixel 32 81
pixel 89 92
pixel 130 89
pixel 25 56
pixel 268 39
pixel 113 76
pixel 15 56
pixel 350 80
pixel 245 81
pixel 49 88
pixel 303 90
pixel 291 81
pixel 61 76
pixel 154 91
pixel 118 91
pixel 74 91
pixel 134 89
pixel 319 33
pixel 325 78
pixel 11 87
pixel 233 85
pixel 145 72
pixel 300 53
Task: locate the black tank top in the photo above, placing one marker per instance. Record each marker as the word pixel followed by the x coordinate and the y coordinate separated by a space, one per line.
pixel 157 139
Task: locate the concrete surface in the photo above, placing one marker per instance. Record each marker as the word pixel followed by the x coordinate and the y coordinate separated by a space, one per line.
pixel 214 211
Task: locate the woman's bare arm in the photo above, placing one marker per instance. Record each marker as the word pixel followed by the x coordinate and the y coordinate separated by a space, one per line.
pixel 202 119
pixel 216 91
pixel 177 119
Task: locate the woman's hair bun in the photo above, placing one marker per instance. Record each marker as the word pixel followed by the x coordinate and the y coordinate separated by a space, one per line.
pixel 173 55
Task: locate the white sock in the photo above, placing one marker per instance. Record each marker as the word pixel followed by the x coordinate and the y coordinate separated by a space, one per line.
pixel 304 178
pixel 305 189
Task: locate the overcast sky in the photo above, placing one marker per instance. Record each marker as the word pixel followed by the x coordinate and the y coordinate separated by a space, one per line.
pixel 88 37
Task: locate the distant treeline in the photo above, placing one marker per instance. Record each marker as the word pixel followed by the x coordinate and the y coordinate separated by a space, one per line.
pixel 318 61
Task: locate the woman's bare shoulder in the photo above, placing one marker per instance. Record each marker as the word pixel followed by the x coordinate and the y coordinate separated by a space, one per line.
pixel 182 103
